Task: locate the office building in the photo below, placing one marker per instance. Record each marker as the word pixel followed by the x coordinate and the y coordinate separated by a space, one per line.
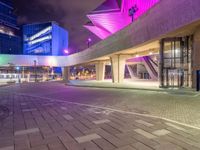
pixel 10 41
pixel 44 39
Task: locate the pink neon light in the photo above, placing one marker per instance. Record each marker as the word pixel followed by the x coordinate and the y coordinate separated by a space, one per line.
pixel 111 22
pixel 98 31
pixel 108 23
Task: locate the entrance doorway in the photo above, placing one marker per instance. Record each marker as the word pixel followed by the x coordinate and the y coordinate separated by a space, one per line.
pixel 175 58
pixel 174 77
pixel 198 80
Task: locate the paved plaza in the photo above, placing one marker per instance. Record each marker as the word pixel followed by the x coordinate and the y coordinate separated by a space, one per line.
pixel 53 116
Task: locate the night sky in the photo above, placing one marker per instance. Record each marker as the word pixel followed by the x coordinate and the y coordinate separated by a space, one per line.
pixel 70 14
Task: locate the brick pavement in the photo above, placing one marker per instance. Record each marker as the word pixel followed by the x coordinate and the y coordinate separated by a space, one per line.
pixel 178 106
pixel 42 124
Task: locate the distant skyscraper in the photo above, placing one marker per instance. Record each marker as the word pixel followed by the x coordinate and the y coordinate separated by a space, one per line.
pixel 10 41
pixel 45 39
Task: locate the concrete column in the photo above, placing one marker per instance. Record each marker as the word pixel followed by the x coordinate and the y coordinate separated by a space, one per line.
pixel 28 77
pixel 195 56
pixel 118 63
pixel 100 70
pixel 161 64
pixel 66 74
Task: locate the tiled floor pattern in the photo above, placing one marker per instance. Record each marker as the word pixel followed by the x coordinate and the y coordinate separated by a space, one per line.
pixel 174 105
pixel 41 124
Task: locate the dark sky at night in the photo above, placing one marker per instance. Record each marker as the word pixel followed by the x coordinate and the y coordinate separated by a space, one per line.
pixel 70 14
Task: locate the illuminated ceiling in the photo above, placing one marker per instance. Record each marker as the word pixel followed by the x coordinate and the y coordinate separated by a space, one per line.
pixel 113 15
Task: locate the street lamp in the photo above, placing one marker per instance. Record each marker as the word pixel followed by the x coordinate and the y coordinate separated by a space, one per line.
pixel 132 11
pixel 17 68
pixel 89 41
pixel 35 70
pixel 66 51
pixel 18 74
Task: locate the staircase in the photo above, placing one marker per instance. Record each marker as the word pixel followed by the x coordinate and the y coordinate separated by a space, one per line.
pixel 149 64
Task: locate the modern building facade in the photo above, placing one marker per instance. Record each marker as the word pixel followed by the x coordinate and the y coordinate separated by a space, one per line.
pixel 10 40
pixel 44 39
pixel 168 31
pixel 114 15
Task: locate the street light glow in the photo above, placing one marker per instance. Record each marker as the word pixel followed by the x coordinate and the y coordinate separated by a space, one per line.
pixel 89 40
pixel 17 68
pixel 66 51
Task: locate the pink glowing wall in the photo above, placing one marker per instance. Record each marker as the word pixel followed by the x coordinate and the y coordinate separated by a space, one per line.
pixel 101 33
pixel 106 24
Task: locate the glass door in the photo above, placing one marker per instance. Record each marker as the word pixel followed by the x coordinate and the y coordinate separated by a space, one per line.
pixel 175 62
pixel 175 78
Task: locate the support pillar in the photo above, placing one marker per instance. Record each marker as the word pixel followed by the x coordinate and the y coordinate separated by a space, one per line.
pixel 195 57
pixel 161 64
pixel 118 63
pixel 100 70
pixel 66 74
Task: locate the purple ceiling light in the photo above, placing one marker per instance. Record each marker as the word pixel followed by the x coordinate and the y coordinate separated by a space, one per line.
pixel 108 21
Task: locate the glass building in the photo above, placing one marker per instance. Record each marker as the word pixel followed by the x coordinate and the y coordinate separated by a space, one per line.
pixel 44 39
pixel 10 41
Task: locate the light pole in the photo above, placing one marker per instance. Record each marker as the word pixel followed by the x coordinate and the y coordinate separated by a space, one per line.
pixel 18 74
pixel 89 41
pixel 35 70
pixel 132 11
pixel 23 76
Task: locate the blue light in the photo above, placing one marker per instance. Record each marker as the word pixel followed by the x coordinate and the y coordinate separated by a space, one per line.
pixel 18 68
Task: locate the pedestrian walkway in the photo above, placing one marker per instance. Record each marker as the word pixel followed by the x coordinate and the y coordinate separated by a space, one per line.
pixel 130 84
pixel 49 124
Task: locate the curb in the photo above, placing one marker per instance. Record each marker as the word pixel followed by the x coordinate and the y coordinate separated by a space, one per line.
pixel 171 91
